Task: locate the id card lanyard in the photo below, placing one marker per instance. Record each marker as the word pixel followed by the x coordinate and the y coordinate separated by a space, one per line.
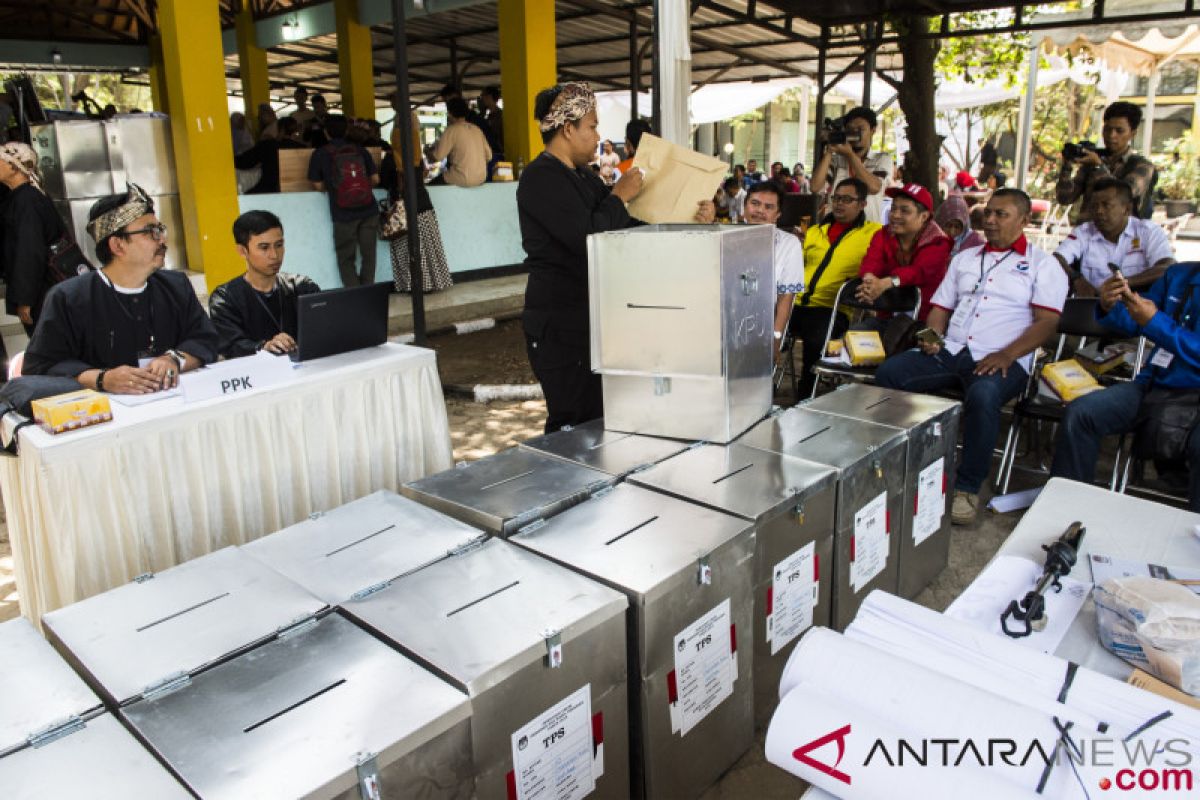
pixel 966 307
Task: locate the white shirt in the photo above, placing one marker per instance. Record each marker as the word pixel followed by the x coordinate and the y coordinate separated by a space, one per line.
pixel 737 206
pixel 1139 247
pixel 878 164
pixel 789 263
pixel 992 296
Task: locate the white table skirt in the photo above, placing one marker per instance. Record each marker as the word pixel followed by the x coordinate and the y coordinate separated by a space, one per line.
pixel 167 482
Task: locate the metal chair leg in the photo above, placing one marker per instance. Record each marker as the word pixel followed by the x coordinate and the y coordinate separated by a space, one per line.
pixel 1009 456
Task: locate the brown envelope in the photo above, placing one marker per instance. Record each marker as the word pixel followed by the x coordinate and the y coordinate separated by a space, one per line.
pixel 676 180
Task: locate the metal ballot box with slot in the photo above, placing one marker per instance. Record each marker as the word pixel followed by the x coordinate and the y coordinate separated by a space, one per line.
pixel 540 651
pixel 611 452
pixel 322 711
pixel 791 503
pixel 504 492
pixel 361 545
pixel 931 424
pixel 682 319
pixel 95 758
pixel 158 631
pixel 686 570
pixel 870 463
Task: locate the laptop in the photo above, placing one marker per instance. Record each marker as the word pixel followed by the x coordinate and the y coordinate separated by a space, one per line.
pixel 341 320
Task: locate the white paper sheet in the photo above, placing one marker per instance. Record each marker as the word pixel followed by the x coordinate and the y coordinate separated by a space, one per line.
pixel 1008 578
pixel 1014 501
pixel 132 400
pixel 703 666
pixel 1105 567
pixel 870 542
pixel 931 501
pixel 794 588
pixel 552 754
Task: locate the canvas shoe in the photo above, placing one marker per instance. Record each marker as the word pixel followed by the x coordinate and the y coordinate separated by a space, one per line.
pixel 963 510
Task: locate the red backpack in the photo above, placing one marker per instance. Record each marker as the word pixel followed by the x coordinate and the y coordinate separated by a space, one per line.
pixel 352 187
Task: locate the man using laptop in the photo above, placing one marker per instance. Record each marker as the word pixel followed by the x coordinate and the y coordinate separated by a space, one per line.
pixel 257 310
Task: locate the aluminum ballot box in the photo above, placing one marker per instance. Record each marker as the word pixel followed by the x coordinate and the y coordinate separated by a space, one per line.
pixel 361 545
pixel 791 503
pixel 323 711
pixel 41 692
pixel 540 651
pixel 94 758
pixel 932 427
pixel 687 572
pixel 158 631
pixel 682 319
pixel 611 452
pixel 506 491
pixel 870 463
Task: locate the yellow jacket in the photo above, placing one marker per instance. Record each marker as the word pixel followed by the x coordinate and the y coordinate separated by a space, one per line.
pixel 842 266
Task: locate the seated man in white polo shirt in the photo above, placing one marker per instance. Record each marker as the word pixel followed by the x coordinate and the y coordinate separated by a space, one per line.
pixel 1114 236
pixel 996 305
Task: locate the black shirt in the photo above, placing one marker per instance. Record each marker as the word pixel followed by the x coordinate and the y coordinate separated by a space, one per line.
pixel 86 324
pixel 392 180
pixel 558 207
pixel 31 226
pixel 246 318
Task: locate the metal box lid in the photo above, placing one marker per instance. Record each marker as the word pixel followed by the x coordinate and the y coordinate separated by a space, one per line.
pixel 487 612
pixel 891 407
pixel 173 623
pixel 744 481
pixel 681 300
pixel 40 690
pixel 840 442
pixel 634 539
pixel 503 492
pixel 99 761
pixel 611 452
pixel 361 544
pixel 291 717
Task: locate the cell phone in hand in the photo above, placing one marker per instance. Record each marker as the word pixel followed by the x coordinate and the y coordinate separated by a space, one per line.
pixel 930 337
pixel 1115 269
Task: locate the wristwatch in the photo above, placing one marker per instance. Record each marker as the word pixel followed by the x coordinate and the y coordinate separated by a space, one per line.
pixel 895 281
pixel 178 356
pixel 100 380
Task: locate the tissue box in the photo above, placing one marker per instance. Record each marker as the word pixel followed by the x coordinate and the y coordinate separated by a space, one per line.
pixel 1068 380
pixel 503 172
pixel 864 348
pixel 66 412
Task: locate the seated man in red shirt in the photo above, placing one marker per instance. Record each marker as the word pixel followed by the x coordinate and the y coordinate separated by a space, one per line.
pixel 910 249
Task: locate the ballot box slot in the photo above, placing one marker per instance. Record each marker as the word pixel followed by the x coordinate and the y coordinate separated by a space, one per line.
pixel 366 538
pixel 814 434
pixel 878 403
pixel 294 706
pixel 181 612
pixel 507 480
pixel 637 527
pixel 479 600
pixel 607 442
pixel 737 471
pixel 655 308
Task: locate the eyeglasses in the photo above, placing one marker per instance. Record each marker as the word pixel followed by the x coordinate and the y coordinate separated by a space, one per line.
pixel 157 232
pixel 845 198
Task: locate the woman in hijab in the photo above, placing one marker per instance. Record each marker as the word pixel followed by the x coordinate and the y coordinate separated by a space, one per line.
pixel 955 220
pixel 31 227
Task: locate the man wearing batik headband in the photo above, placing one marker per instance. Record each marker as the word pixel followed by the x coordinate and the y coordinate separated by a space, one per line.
pixel 132 327
pixel 31 226
pixel 560 201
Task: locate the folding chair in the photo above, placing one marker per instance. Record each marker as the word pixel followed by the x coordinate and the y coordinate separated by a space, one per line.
pixel 900 300
pixel 1078 319
pixel 1127 467
pixel 785 366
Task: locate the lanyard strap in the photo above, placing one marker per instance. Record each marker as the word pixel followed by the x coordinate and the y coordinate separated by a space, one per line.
pixel 984 275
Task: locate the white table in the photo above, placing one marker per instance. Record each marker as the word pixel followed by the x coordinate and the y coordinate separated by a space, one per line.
pixel 166 482
pixel 1117 525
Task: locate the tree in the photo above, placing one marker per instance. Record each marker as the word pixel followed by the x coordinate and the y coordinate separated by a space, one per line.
pixel 915 92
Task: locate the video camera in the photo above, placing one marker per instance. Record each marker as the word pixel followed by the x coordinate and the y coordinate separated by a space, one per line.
pixel 1073 151
pixel 835 132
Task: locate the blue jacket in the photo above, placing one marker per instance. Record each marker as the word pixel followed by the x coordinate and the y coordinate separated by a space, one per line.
pixel 1177 295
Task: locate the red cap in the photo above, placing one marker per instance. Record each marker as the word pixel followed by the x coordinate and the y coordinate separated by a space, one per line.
pixel 913 191
pixel 964 180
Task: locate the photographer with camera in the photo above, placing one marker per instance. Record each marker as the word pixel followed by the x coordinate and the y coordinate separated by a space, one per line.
pixel 847 154
pixel 1116 159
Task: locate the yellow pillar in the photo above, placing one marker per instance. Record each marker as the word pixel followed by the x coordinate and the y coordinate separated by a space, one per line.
pixel 252 66
pixel 158 78
pixel 195 72
pixel 527 65
pixel 356 68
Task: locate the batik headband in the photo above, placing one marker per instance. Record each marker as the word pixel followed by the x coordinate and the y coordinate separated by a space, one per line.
pixel 137 204
pixel 22 157
pixel 573 103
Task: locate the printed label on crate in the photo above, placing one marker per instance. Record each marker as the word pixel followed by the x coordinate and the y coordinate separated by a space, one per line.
pixel 552 755
pixel 931 501
pixel 704 671
pixel 793 595
pixel 869 550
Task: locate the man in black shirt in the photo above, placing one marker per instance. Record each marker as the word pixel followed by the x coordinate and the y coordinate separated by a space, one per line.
pixel 132 327
pixel 346 172
pixel 31 227
pixel 257 311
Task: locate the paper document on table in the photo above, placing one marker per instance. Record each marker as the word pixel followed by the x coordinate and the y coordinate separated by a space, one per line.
pixel 1105 567
pixel 676 180
pixel 142 399
pixel 552 755
pixel 1009 578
